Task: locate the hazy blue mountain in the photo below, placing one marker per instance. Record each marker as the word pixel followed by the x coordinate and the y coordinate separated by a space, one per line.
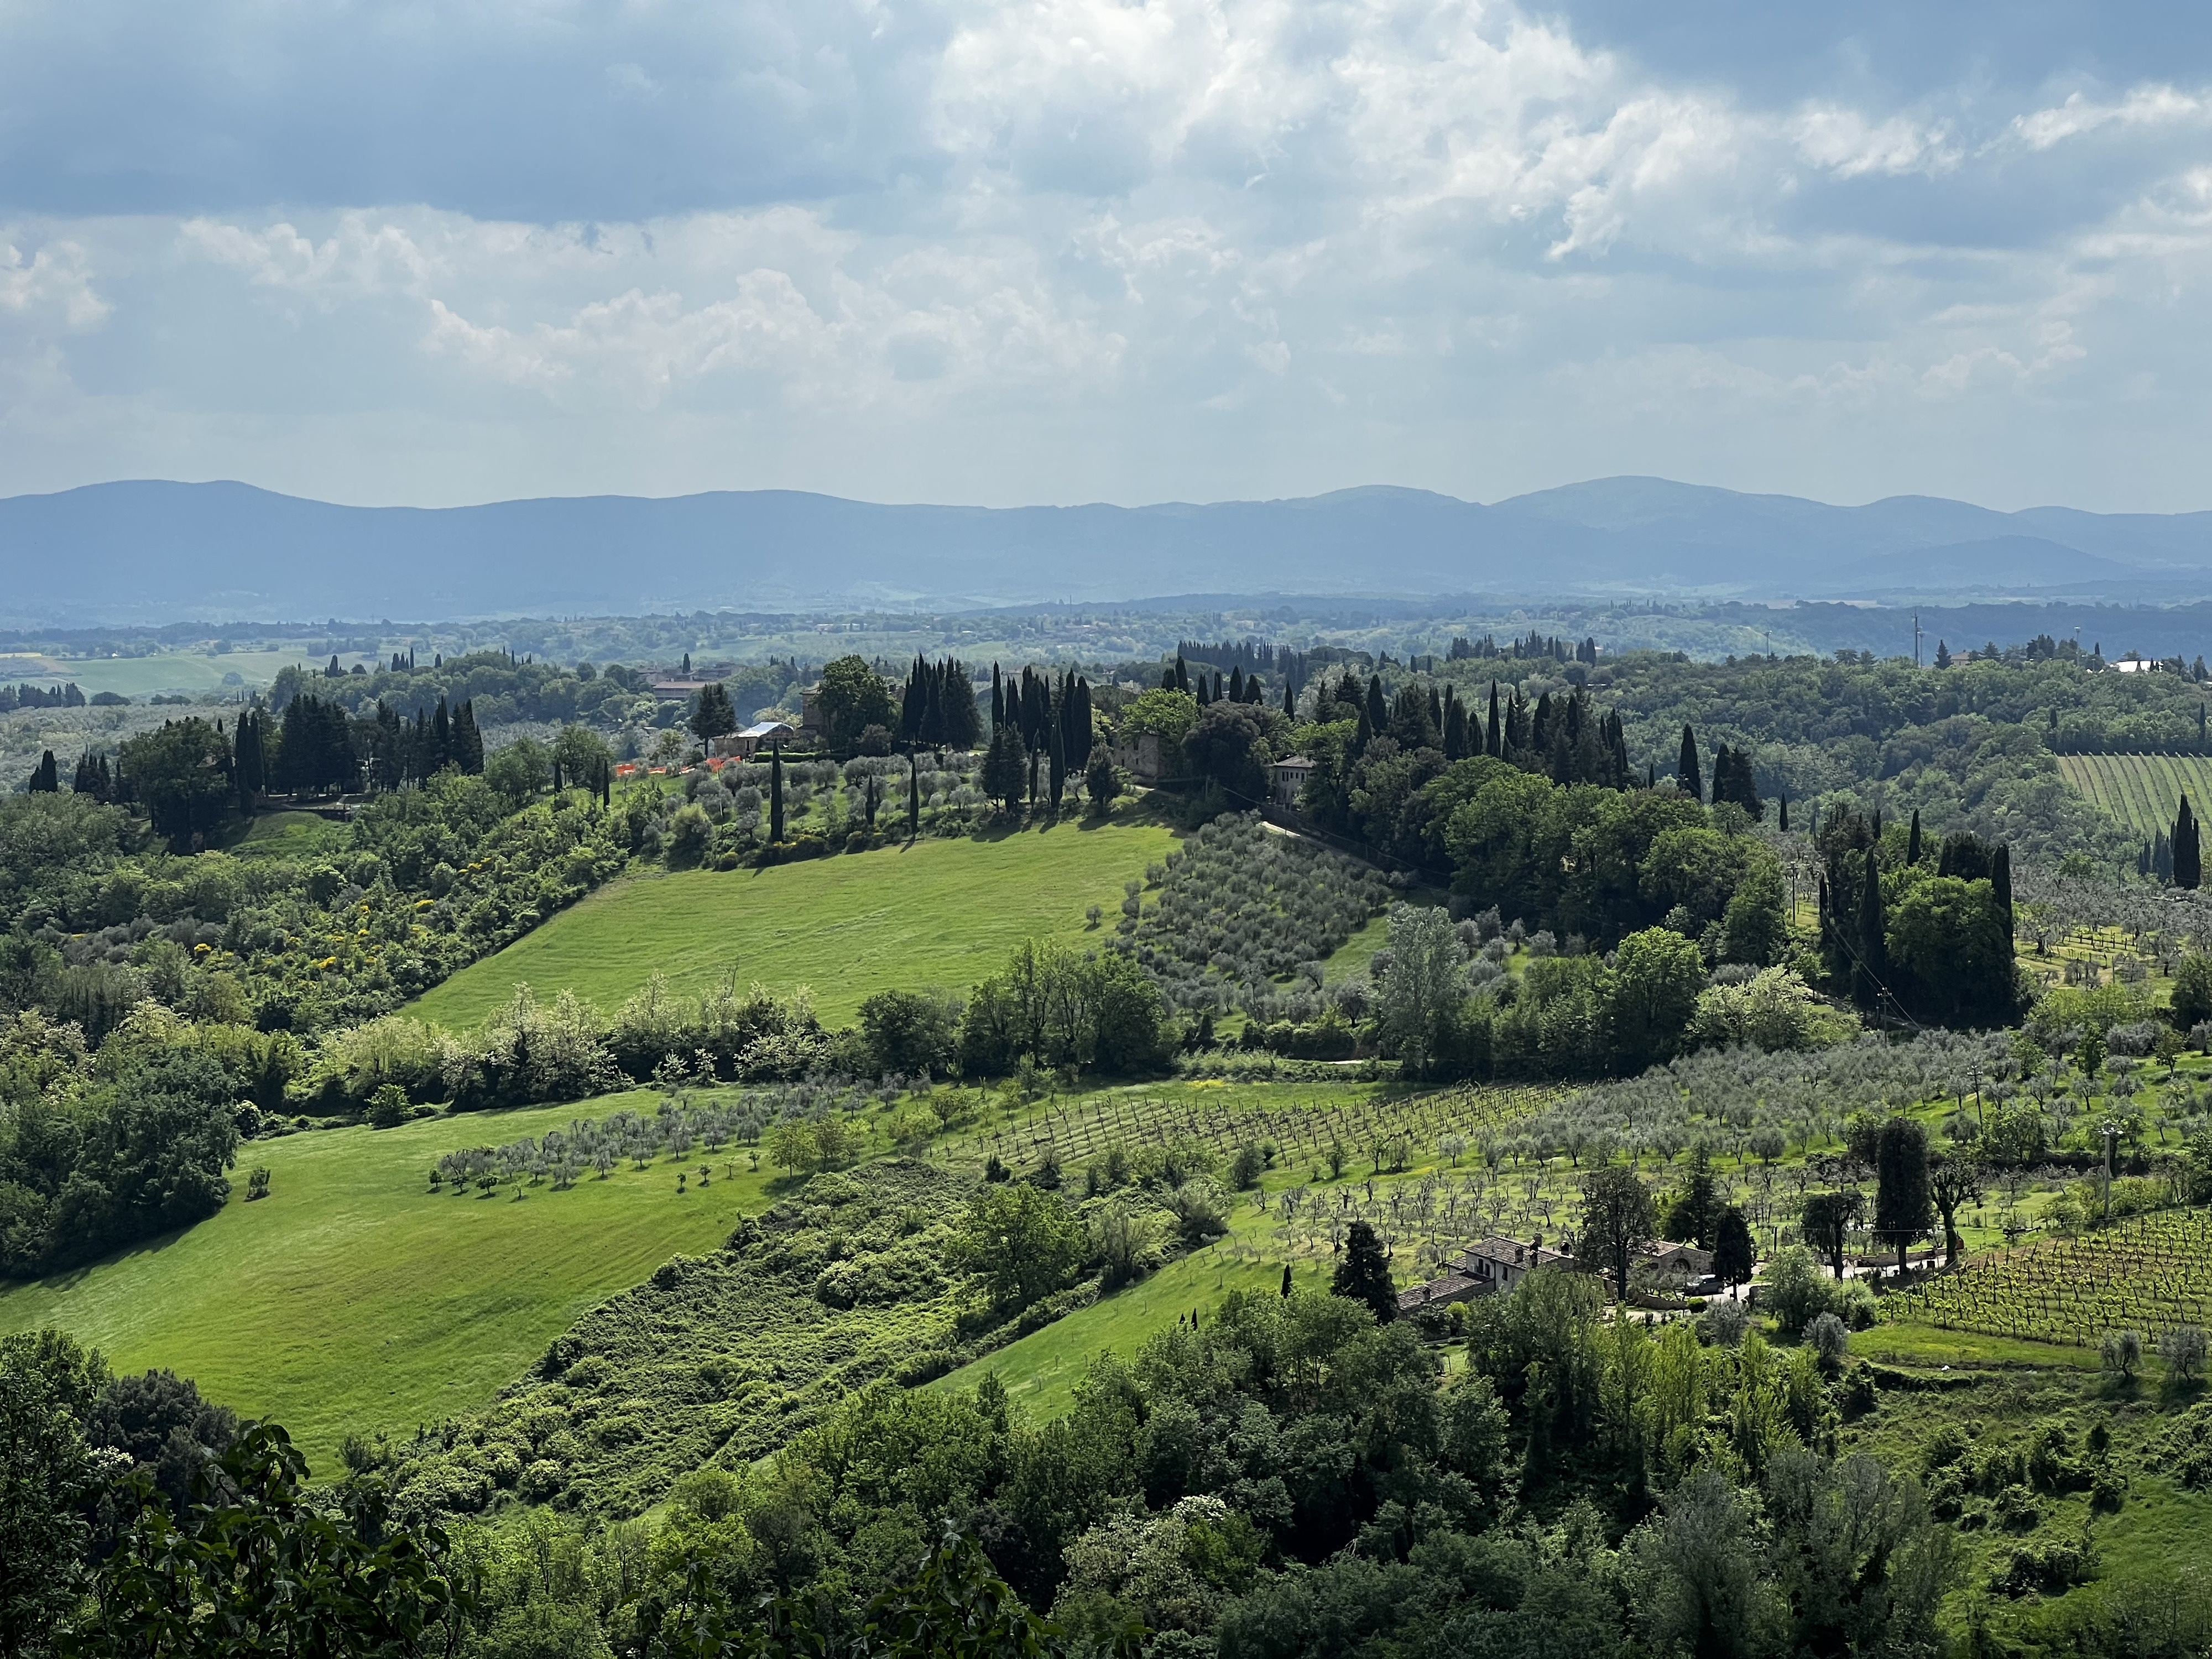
pixel 146 551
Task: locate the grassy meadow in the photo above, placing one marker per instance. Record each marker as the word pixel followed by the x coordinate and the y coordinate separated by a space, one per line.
pixel 934 912
pixel 353 1298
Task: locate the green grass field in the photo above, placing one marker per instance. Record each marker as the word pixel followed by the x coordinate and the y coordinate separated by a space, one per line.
pixel 352 1298
pixel 943 913
pixel 2144 791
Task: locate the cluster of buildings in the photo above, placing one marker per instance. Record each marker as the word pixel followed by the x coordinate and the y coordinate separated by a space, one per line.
pixel 1496 1264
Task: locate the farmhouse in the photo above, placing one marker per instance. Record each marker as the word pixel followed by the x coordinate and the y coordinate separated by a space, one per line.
pixel 748 743
pixel 1496 1263
pixel 1286 777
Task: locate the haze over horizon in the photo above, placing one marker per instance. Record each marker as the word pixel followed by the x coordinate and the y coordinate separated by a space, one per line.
pixel 1090 252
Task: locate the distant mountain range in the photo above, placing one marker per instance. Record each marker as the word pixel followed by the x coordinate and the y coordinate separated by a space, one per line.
pixel 145 551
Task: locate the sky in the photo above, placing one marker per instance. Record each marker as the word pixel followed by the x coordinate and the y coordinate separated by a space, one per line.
pixel 1062 251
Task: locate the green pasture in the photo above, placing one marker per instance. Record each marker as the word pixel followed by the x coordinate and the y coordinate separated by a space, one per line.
pixel 934 912
pixel 353 1298
pixel 2144 791
pixel 289 834
pixel 187 671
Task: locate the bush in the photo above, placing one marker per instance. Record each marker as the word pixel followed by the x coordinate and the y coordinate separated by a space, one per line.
pixel 388 1108
pixel 2182 1348
pixel 1825 1336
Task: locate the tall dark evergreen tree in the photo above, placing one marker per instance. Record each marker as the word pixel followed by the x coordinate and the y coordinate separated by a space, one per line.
pixel 45 777
pixel 998 702
pixel 775 791
pixel 1912 842
pixel 1378 710
pixel 1493 739
pixel 1874 935
pixel 2188 850
pixel 1686 775
pixel 1235 683
pixel 1782 820
pixel 1364 1275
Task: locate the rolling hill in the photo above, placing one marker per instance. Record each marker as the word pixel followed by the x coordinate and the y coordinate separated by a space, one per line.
pixel 141 550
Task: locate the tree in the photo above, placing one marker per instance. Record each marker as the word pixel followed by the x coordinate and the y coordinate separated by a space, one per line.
pixel 1651 992
pixel 2191 1003
pixel 1952 1181
pixel 2188 850
pixel 181 773
pixel 852 697
pixel 712 715
pixel 1424 984
pixel 583 755
pixel 1102 781
pixel 1827 1218
pixel 47 1480
pixel 1734 1255
pixel 1226 745
pixel 1902 1203
pixel 45 776
pixel 1912 840
pixel 1364 1275
pixel 1617 1220
pixel 1686 767
pixel 914 1033
pixel 355 1581
pixel 1005 767
pixel 1696 1210
pixel 1020 1243
pixel 1754 929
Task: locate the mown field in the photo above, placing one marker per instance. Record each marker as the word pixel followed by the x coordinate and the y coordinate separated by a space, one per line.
pixel 937 912
pixel 353 1298
pixel 2144 791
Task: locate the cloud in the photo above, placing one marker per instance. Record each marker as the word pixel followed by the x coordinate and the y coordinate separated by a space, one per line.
pixel 1013 250
pixel 2143 106
pixel 53 283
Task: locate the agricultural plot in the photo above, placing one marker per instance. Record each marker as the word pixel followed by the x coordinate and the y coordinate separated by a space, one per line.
pixel 2144 791
pixel 2146 1275
pixel 938 912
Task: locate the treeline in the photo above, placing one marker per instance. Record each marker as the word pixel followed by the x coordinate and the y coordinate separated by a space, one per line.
pixel 97 1152
pixel 505 689
pixel 26 695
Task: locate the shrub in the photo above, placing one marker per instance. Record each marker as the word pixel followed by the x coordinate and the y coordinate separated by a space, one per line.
pixel 388 1107
pixel 1825 1336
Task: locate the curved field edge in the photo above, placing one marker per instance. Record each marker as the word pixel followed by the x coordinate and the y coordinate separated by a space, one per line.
pixel 354 1299
pixel 936 912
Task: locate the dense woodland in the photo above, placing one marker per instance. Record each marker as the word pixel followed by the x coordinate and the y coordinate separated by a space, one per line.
pixel 1797 875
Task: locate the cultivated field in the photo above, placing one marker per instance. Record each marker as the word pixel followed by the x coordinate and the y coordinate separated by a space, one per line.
pixel 2144 791
pixel 2146 1275
pixel 938 912
pixel 353 1298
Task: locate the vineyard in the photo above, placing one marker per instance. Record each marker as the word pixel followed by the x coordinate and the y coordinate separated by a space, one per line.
pixel 2142 792
pixel 2146 1275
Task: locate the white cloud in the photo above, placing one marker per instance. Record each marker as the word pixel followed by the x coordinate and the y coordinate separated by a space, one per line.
pixel 56 281
pixel 1061 249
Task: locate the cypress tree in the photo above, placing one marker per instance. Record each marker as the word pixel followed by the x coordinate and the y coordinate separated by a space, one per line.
pixel 1167 678
pixel 775 791
pixel 1235 683
pixel 45 777
pixel 441 738
pixel 1205 693
pixel 1784 819
pixel 1874 948
pixel 913 796
pixel 1058 755
pixel 1364 1275
pixel 1291 703
pixel 1493 739
pixel 2188 850
pixel 468 742
pixel 998 702
pixel 1686 775
pixel 1378 711
pixel 2001 882
pixel 1913 842
pixel 1181 674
